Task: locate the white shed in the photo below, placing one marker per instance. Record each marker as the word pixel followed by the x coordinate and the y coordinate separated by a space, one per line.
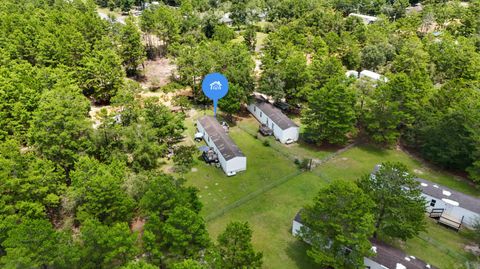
pixel 384 256
pixel 284 129
pixel 365 18
pixel 230 157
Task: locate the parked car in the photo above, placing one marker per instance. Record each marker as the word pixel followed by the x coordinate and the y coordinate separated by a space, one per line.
pixel 198 137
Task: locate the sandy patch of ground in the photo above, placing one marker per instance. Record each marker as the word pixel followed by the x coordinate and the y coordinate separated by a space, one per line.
pixel 93 113
pixel 157 73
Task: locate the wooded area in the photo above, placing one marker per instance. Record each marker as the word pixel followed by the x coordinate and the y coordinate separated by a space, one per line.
pixel 73 193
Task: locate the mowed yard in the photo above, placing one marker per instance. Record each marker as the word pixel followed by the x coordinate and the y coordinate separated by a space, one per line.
pixel 272 190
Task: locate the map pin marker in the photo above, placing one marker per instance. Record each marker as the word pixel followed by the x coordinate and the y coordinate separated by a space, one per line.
pixel 215 87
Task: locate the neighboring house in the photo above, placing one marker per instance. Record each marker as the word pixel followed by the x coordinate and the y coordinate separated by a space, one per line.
pixel 226 19
pixel 230 157
pixel 351 73
pixel 365 18
pixel 372 75
pixel 284 129
pixel 384 256
pixel 450 207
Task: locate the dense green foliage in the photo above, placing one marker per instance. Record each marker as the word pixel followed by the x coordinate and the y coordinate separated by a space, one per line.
pixel 340 237
pixel 399 210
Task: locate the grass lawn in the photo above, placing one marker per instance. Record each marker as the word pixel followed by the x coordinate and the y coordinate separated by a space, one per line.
pixel 362 159
pixel 270 213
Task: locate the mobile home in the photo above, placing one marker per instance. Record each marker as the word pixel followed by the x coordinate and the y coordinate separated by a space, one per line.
pixel 284 129
pixel 230 157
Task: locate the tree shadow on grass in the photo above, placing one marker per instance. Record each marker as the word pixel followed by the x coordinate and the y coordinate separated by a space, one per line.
pixel 297 251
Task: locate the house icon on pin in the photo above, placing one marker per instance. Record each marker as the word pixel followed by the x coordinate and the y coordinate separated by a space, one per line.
pixel 216 85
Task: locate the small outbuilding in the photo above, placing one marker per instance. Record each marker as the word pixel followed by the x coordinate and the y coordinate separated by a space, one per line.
pixel 229 155
pixel 384 256
pixel 284 129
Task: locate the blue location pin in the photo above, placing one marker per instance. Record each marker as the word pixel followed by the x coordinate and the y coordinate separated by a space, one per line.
pixel 215 86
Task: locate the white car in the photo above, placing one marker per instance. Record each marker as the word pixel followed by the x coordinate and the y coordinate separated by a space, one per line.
pixel 198 137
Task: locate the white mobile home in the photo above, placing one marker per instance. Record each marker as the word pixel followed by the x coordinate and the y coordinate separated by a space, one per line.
pixel 230 157
pixel 372 75
pixel 452 208
pixel 284 129
pixel 384 256
pixel 365 18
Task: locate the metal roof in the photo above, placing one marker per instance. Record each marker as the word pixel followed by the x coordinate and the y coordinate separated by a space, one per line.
pixel 274 114
pixel 392 257
pixel 441 192
pixel 228 149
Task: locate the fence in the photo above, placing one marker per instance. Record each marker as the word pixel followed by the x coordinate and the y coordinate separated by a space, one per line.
pixel 273 184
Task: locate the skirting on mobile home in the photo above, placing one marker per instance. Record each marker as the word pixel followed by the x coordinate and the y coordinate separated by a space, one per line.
pixel 284 129
pixel 230 156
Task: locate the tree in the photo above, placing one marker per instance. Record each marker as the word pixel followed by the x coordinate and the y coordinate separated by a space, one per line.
pixel 223 33
pixel 183 158
pixel 101 75
pixel 324 69
pixel 164 193
pixel 339 238
pixel 373 57
pixel 29 186
pixel 188 264
pixel 35 244
pixel 232 102
pixel 399 206
pixel 330 115
pixel 183 235
pixel 235 247
pixel 162 21
pixel 250 37
pixel 98 191
pixel 105 246
pixel 272 84
pixel 139 265
pixel 168 127
pixel 60 130
pixel 238 12
pixel 132 50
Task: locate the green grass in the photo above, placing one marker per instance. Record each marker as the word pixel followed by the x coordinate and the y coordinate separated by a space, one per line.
pixel 270 213
pixel 435 240
pixel 362 159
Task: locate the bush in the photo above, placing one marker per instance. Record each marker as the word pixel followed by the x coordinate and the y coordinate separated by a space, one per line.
pixel 266 143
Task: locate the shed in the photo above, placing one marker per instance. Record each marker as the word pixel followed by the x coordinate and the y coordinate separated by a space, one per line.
pixel 284 129
pixel 384 256
pixel 230 156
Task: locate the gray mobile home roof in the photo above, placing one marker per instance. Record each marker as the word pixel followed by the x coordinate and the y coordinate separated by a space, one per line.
pixel 438 191
pixel 387 255
pixel 390 256
pixel 274 114
pixel 224 143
